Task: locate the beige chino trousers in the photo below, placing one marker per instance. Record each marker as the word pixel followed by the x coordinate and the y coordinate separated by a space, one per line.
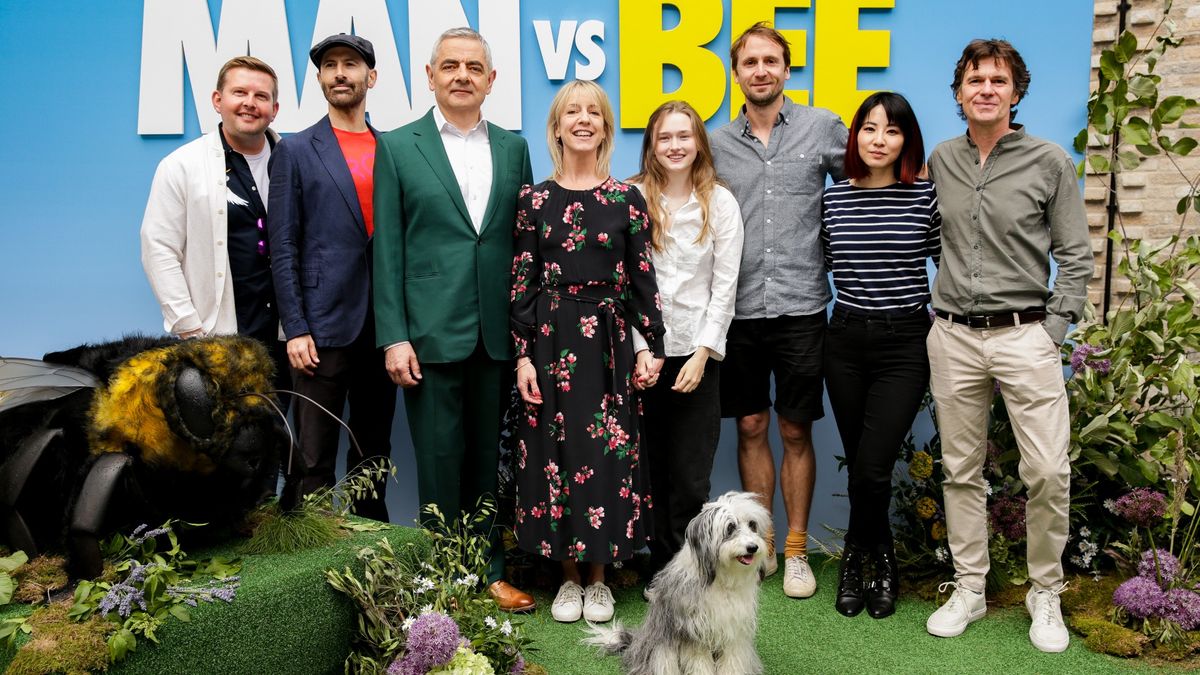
pixel 1024 359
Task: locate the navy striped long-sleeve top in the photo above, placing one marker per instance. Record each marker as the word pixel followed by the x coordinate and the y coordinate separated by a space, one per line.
pixel 876 241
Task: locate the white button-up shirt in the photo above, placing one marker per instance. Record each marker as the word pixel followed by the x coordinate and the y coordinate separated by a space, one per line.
pixel 698 282
pixel 470 156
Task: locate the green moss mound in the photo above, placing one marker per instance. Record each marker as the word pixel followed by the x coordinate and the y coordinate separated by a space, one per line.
pixel 61 645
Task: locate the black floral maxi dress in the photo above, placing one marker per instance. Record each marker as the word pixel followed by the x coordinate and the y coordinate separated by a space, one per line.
pixel 582 279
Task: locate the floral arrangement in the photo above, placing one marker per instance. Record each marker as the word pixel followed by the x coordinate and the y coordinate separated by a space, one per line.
pixel 427 610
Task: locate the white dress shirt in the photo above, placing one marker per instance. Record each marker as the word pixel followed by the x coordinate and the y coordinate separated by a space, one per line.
pixel 698 282
pixel 470 156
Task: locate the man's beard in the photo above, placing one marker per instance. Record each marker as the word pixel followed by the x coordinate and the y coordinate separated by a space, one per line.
pixel 765 100
pixel 346 101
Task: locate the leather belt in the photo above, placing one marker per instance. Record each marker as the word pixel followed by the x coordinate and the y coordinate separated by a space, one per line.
pixel 980 321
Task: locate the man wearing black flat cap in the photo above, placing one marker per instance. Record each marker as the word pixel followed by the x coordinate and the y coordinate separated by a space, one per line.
pixel 321 228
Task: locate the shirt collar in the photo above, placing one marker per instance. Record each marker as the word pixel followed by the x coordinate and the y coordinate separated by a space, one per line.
pixel 1016 133
pixel 229 148
pixel 785 114
pixel 443 125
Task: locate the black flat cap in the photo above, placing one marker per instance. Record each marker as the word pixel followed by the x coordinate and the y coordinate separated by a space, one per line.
pixel 361 45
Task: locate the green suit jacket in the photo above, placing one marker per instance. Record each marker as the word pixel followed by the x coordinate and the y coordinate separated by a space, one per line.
pixel 437 283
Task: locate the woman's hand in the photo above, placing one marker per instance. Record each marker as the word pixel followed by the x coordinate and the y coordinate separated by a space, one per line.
pixel 527 381
pixel 646 372
pixel 691 373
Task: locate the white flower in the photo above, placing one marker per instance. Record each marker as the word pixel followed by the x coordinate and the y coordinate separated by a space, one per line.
pixel 941 554
pixel 1110 505
pixel 408 623
pixel 469 580
pixel 506 627
pixel 427 609
pixel 1084 532
pixel 489 622
pixel 987 487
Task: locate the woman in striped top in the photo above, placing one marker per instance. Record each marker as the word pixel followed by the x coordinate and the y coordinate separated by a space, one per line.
pixel 878 227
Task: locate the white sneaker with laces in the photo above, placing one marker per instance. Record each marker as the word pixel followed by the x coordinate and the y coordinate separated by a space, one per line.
pixel 568 604
pixel 597 603
pixel 798 579
pixel 952 618
pixel 1047 632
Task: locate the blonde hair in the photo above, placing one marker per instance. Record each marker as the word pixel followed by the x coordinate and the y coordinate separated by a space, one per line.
pixel 249 63
pixel 653 176
pixel 570 91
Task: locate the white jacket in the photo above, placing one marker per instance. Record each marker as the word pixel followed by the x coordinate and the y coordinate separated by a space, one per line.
pixel 184 239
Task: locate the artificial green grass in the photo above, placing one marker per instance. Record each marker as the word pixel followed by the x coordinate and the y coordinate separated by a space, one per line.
pixel 809 636
pixel 285 618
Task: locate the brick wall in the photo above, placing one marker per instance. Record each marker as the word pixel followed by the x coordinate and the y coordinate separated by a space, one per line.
pixel 1146 196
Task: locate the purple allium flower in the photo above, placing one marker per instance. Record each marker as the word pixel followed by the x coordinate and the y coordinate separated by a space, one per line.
pixel 1141 597
pixel 1183 607
pixel 518 666
pixel 1168 567
pixel 1142 506
pixel 1008 517
pixel 432 641
pixel 1081 359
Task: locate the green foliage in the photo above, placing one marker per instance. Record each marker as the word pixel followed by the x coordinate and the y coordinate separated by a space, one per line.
pixel 398 586
pixel 8 565
pixel 64 645
pixel 359 483
pixel 297 530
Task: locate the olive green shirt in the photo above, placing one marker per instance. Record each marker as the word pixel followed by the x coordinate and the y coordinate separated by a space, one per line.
pixel 1001 224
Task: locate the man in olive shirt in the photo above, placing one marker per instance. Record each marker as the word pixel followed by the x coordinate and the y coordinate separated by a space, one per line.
pixel 1009 202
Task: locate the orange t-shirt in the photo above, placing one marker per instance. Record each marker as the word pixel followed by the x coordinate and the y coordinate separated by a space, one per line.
pixel 358 147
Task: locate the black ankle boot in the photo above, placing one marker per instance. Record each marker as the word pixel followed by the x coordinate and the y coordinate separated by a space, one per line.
pixel 850 596
pixel 884 586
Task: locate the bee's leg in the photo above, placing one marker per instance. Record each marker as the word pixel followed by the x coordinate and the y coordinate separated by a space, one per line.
pixel 91 511
pixel 14 474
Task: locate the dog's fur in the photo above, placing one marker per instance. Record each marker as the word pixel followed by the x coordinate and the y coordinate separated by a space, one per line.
pixel 703 612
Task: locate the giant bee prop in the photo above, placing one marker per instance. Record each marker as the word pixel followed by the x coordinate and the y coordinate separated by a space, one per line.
pixel 105 436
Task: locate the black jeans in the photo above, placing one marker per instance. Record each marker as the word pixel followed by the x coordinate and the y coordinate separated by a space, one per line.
pixel 876 372
pixel 679 441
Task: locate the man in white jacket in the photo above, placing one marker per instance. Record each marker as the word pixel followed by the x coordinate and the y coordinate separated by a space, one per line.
pixel 204 240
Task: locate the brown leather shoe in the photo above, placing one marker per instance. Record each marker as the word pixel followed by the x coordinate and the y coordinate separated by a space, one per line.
pixel 510 598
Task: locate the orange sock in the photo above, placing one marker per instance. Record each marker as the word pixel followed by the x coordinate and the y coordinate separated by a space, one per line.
pixel 770 543
pixel 796 544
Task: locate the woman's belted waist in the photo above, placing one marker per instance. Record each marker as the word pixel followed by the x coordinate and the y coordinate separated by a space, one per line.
pixel 605 295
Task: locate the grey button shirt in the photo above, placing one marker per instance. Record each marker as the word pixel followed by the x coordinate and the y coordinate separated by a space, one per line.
pixel 779 190
pixel 1001 223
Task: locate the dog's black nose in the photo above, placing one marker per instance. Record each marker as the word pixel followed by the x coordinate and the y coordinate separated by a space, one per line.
pixel 752 548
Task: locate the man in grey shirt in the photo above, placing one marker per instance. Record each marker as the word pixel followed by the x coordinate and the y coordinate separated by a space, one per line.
pixel 775 157
pixel 1009 202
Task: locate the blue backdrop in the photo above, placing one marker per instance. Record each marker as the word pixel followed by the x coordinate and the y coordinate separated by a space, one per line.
pixel 76 171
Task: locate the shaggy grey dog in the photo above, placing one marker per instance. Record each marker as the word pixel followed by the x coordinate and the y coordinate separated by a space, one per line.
pixel 703 612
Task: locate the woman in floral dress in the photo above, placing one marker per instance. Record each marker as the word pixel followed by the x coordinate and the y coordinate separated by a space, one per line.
pixel 582 281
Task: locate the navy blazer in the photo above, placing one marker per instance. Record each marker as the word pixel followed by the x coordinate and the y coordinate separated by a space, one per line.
pixel 320 251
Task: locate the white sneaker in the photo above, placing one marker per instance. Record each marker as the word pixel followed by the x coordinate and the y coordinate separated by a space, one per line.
pixel 597 603
pixel 798 579
pixel 960 610
pixel 568 604
pixel 1047 632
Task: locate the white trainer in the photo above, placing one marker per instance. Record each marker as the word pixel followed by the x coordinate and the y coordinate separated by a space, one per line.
pixel 952 618
pixel 770 564
pixel 568 604
pixel 1047 632
pixel 597 603
pixel 798 579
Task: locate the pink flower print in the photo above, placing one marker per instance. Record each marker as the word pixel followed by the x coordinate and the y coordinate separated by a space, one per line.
pixel 577 549
pixel 551 273
pixel 629 530
pixel 520 344
pixel 583 474
pixel 531 415
pixel 520 275
pixel 657 301
pixel 572 212
pixel 587 325
pixel 600 196
pixel 551 469
pixel 626 487
pixel 520 515
pixel 562 370
pixel 637 220
pixel 613 550
pixel 544 549
pixel 525 189
pixel 524 454
pixel 539 198
pixel 595 516
pixel 547 329
pixel 556 428
pixel 538 511
pixel 574 289
pixel 602 238
pixel 556 511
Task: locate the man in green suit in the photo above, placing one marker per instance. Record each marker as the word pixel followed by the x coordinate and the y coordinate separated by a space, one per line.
pixel 445 206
